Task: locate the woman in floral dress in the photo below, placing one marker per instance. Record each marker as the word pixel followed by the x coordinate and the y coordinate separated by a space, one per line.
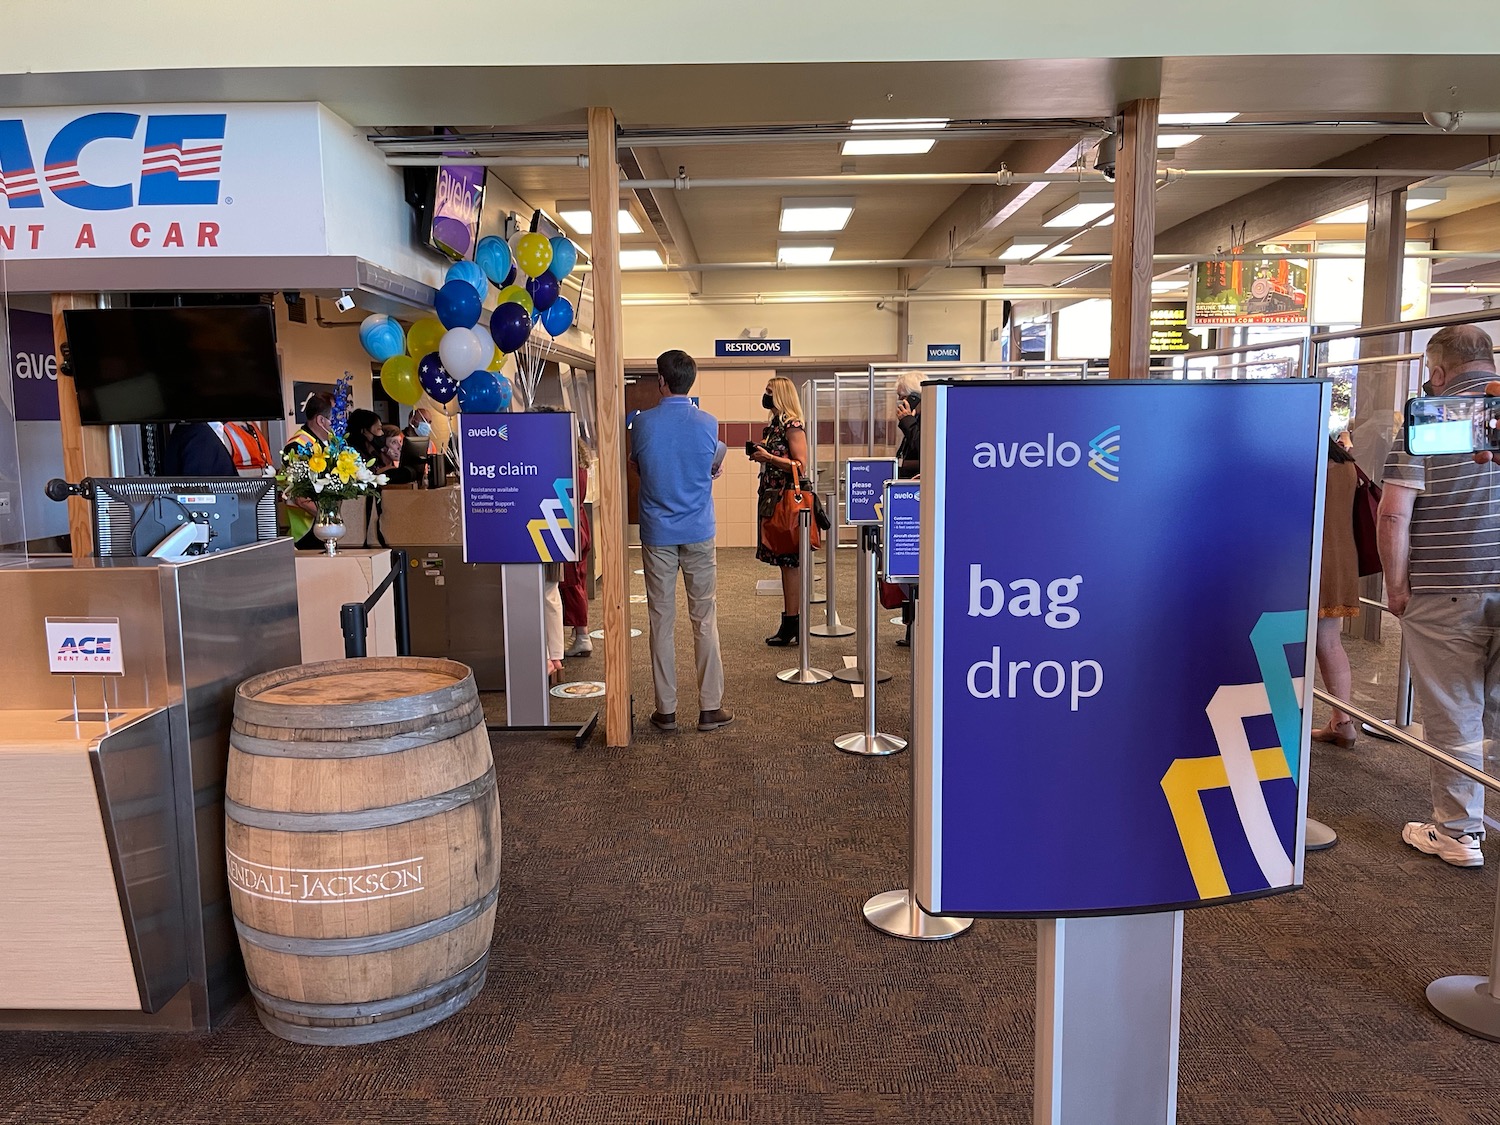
pixel 783 446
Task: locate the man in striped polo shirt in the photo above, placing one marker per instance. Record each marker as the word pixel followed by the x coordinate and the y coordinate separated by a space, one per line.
pixel 1440 546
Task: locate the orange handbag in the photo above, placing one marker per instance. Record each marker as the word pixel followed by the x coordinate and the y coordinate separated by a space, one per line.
pixel 780 529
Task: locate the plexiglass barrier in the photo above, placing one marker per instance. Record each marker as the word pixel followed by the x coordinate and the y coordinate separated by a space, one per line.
pixel 12 515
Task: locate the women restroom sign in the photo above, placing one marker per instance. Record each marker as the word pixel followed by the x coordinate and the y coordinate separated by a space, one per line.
pixel 1111 721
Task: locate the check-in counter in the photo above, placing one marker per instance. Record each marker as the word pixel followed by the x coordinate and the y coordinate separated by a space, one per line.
pixel 456 609
pixel 116 911
pixel 325 583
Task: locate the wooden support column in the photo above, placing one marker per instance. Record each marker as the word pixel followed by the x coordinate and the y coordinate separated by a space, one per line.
pixel 1134 241
pixel 85 449
pixel 1379 387
pixel 609 406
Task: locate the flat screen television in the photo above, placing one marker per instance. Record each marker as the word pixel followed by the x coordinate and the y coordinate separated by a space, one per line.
pixel 158 517
pixel 203 364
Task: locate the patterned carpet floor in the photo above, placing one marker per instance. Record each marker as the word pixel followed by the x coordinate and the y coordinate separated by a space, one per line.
pixel 679 943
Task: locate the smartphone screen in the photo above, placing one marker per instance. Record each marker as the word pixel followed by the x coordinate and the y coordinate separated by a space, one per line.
pixel 1455 424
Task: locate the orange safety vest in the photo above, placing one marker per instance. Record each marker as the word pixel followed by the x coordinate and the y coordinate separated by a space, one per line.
pixel 247 445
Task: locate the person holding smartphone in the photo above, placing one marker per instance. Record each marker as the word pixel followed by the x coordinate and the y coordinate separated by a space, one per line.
pixel 781 453
pixel 1439 538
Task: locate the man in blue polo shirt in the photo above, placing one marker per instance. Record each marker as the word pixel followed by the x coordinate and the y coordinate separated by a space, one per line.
pixel 676 448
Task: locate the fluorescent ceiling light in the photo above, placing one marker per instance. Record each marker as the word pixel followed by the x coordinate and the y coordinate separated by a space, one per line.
pixel 1416 199
pixel 803 253
pixel 815 214
pixel 1167 285
pixel 1019 251
pixel 1082 208
pixel 1056 250
pixel 1196 118
pixel 895 123
pixel 1177 140
pixel 580 218
pixel 892 147
pixel 640 259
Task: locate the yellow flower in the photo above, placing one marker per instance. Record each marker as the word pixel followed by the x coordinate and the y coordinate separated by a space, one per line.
pixel 317 462
pixel 347 465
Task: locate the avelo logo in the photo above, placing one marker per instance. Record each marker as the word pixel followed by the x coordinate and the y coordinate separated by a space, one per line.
pixel 1104 453
pixel 1103 458
pixel 179 161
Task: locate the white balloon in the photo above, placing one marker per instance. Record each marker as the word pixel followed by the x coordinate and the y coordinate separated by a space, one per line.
pixel 463 353
pixel 486 341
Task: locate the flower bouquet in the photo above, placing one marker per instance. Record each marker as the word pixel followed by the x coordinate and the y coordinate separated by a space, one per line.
pixel 329 475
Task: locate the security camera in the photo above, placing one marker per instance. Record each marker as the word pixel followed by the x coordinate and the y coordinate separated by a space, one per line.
pixel 1104 159
pixel 345 301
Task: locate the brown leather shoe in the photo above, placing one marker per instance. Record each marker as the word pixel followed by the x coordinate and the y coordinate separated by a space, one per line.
pixel 664 722
pixel 713 720
pixel 1341 736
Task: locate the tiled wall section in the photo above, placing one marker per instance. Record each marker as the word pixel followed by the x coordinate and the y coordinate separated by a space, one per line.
pixel 733 397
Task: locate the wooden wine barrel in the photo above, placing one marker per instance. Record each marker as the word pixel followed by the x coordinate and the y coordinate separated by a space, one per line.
pixel 363 840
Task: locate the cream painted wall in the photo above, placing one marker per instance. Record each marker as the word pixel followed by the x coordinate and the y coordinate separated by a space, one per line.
pixel 314 354
pixel 171 34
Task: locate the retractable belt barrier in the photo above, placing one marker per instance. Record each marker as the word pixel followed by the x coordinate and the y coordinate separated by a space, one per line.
pixel 354 617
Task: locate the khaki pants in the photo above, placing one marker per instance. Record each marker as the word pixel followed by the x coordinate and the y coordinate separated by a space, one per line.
pixel 699 567
pixel 1453 641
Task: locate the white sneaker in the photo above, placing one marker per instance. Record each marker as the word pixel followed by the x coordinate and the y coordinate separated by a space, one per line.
pixel 1461 852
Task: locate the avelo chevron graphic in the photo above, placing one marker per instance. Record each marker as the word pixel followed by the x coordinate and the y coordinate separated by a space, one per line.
pixel 1104 453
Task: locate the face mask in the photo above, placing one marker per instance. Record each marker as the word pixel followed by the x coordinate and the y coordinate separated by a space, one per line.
pixel 767 401
pixel 424 429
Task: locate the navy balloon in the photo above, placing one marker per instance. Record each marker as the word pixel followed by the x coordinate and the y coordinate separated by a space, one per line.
pixel 457 304
pixel 544 290
pixel 510 278
pixel 434 377
pixel 479 394
pixel 510 324
pixel 557 319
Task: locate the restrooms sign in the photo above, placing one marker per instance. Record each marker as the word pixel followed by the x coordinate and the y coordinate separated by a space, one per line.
pixel 160 181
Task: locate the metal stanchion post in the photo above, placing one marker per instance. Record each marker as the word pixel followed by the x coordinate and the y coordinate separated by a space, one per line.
pixel 1472 1003
pixel 832 626
pixel 869 741
pixel 804 673
pixel 896 912
pixel 1403 699
pixel 867 594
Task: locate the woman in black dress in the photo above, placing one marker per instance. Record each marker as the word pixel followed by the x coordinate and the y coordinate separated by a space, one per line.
pixel 781 450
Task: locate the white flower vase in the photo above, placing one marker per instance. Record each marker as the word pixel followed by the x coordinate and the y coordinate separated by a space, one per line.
pixel 329 528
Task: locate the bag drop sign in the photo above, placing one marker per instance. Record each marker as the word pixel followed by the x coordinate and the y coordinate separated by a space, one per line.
pixel 1112 718
pixel 84 646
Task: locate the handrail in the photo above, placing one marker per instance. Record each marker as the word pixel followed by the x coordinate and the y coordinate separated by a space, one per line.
pixel 354 617
pixel 1396 734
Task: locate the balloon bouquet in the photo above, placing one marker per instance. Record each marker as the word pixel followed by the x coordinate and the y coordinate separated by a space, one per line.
pixel 431 355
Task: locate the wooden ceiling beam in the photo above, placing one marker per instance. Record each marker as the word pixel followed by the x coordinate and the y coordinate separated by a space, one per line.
pixel 662 210
pixel 974 216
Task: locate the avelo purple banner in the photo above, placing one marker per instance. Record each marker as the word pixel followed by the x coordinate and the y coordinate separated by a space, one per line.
pixel 33 366
pixel 518 473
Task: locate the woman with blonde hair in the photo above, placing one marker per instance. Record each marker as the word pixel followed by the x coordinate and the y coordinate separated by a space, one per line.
pixel 782 452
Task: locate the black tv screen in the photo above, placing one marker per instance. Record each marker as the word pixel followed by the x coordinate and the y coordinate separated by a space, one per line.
pixel 202 364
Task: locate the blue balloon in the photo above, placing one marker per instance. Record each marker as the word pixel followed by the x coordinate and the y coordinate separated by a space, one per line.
pixel 493 257
pixel 382 337
pixel 564 257
pixel 468 271
pixel 434 377
pixel 544 290
pixel 510 324
pixel 558 318
pixel 457 305
pixel 479 394
pixel 505 392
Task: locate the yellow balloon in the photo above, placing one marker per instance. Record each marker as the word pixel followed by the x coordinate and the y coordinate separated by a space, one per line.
pixel 423 337
pixel 398 375
pixel 533 254
pixel 497 361
pixel 517 294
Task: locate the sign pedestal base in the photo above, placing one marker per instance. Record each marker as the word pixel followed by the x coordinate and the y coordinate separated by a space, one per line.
pixel 527 690
pixel 1109 992
pixel 1319 835
pixel 897 913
